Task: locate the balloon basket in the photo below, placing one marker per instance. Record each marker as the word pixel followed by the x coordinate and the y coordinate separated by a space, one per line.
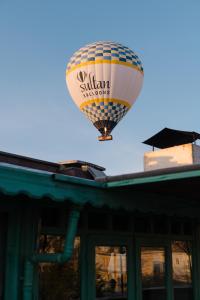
pixel 103 138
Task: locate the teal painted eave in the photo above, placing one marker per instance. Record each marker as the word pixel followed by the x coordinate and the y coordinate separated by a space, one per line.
pixel 58 187
pixel 78 180
pixel 153 179
pixel 38 184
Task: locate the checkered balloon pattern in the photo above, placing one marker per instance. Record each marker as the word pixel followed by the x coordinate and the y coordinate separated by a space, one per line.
pixel 105 113
pixel 105 51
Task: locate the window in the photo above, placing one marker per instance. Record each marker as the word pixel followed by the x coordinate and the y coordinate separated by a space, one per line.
pixel 182 270
pixel 111 272
pixel 153 273
pixel 59 281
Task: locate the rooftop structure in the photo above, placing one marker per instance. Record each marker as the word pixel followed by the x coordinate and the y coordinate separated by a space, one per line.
pixel 177 148
pixel 168 137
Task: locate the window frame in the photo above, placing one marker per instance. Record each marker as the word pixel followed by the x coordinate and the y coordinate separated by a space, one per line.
pixel 89 238
pixel 107 240
pixel 165 243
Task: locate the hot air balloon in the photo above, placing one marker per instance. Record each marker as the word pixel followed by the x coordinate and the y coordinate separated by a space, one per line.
pixel 104 80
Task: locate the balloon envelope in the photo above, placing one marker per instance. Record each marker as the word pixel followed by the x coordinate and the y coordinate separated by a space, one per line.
pixel 104 80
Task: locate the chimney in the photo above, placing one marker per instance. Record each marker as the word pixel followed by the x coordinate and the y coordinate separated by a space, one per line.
pixel 176 148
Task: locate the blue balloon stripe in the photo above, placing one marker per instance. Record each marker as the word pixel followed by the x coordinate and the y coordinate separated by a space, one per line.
pixel 106 51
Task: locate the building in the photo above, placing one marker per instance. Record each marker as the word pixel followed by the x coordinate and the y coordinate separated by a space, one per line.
pixel 68 231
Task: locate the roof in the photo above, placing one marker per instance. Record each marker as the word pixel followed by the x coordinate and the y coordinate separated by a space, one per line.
pixel 71 168
pixel 170 137
pixel 171 191
pixel 79 163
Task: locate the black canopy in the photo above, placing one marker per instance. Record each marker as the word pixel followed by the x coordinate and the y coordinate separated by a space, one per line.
pixel 170 137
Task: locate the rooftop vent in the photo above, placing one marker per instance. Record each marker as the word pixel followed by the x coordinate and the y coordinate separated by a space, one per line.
pixel 178 148
pixel 77 166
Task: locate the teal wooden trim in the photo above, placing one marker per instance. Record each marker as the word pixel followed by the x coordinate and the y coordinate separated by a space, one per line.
pixel 131 283
pixel 154 242
pixel 116 239
pixel 163 237
pixel 69 242
pixel 83 266
pixel 91 274
pixel 31 181
pixel 60 188
pixel 37 184
pixel 169 272
pixel 138 292
pixel 196 263
pixel 78 180
pixel 58 258
pixel 53 231
pixel 29 236
pixel 107 240
pixel 28 281
pixel 153 179
pixel 12 258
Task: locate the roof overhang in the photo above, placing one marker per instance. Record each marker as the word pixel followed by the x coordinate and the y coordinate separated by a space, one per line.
pixel 174 191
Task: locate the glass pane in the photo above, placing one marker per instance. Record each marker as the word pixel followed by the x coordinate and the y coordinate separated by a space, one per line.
pixel 182 270
pixel 111 273
pixel 51 243
pixel 153 273
pixel 59 281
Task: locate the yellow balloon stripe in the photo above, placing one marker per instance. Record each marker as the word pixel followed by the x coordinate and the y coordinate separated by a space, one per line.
pixel 104 61
pixel 106 101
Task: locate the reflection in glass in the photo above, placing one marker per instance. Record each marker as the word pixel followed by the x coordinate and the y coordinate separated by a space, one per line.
pixel 153 273
pixel 59 281
pixel 51 243
pixel 182 270
pixel 111 272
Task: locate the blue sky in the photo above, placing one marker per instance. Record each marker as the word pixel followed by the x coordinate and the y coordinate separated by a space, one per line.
pixel 37 38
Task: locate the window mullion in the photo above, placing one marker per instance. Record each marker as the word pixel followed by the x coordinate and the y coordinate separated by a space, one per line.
pixel 169 272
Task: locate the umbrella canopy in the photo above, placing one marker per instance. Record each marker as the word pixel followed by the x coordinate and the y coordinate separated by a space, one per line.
pixel 170 137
